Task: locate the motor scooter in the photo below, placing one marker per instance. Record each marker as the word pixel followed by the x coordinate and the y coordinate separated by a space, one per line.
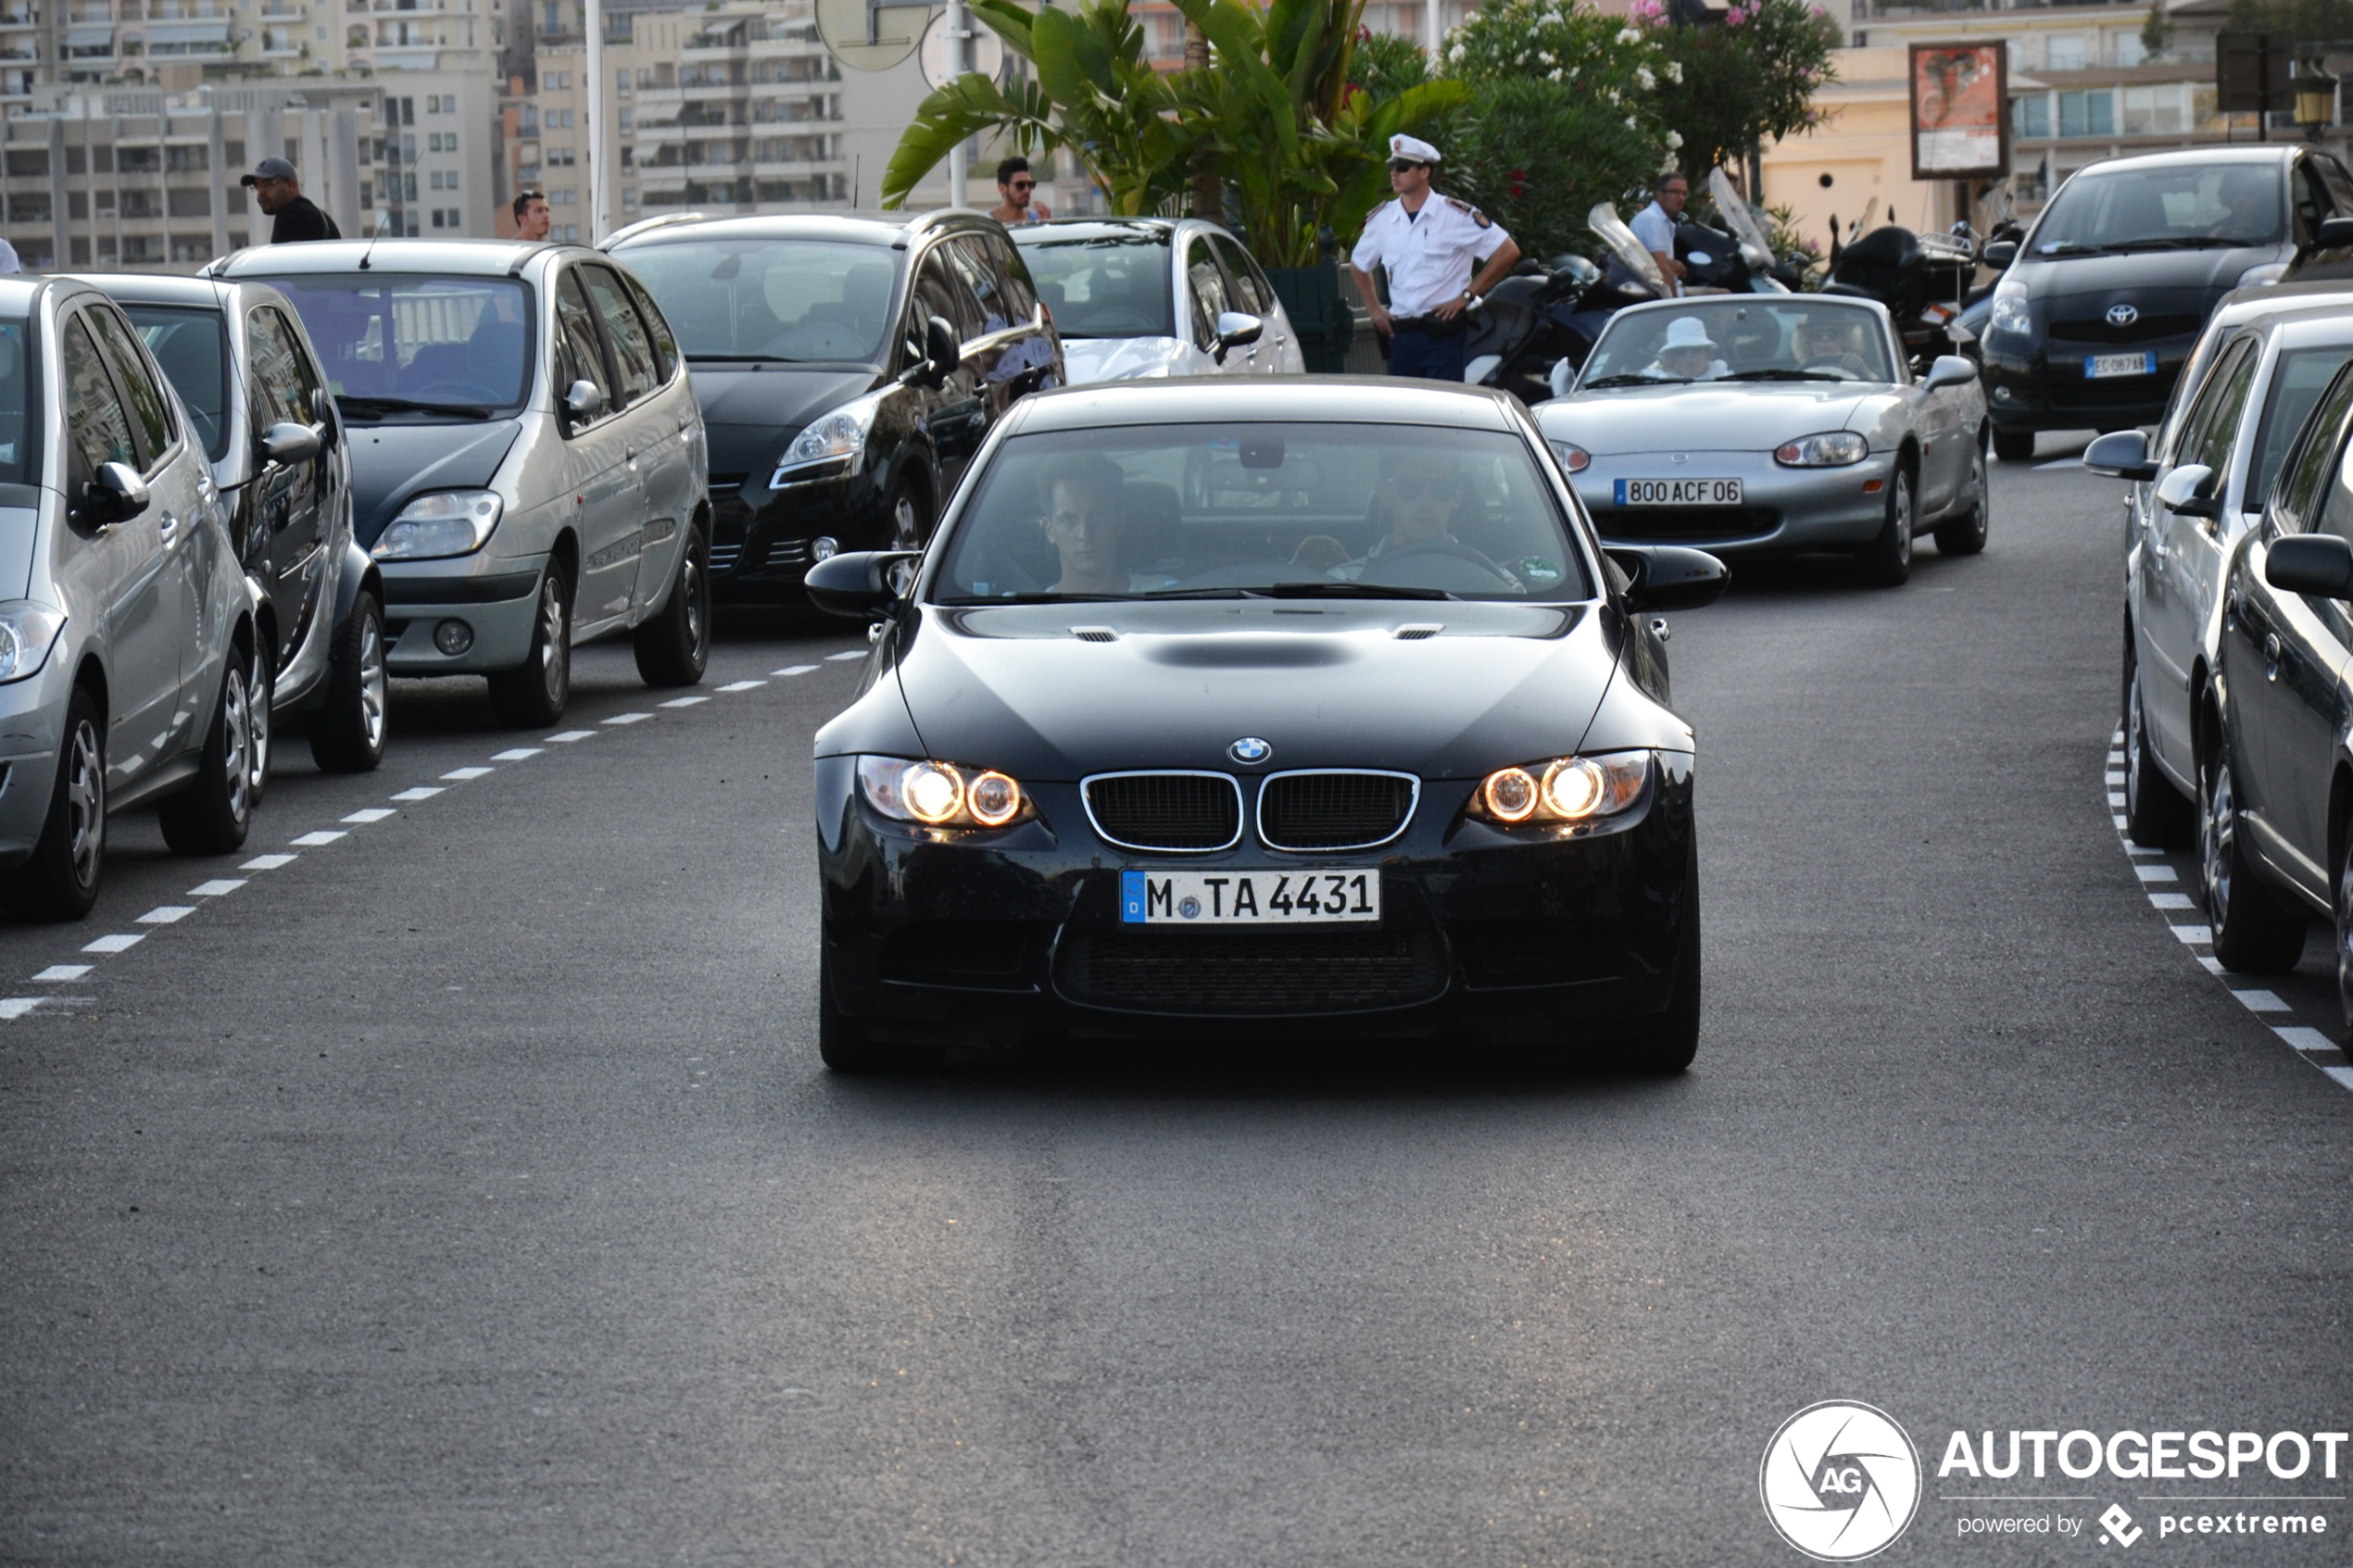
pixel 1922 279
pixel 1523 326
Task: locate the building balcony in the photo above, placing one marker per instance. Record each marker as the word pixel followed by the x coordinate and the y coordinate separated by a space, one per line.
pixel 407 56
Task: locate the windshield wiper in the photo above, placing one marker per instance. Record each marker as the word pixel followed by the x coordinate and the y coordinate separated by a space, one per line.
pixel 1358 589
pixel 2193 241
pixel 1785 375
pixel 1637 381
pixel 741 359
pixel 360 406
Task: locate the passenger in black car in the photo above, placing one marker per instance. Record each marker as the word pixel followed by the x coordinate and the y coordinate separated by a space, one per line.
pixel 1084 498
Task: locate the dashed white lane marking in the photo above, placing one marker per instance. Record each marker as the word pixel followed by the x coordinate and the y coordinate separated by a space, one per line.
pixel 2115 779
pixel 423 792
pixel 2343 1076
pixel 216 887
pixel 323 837
pixel 794 669
pixel 2302 1039
pixel 682 702
pixel 2115 800
pixel 2195 936
pixel 742 685
pixel 2171 901
pixel 167 914
pixel 465 775
pixel 371 814
pixel 628 719
pixel 61 972
pixel 2260 1001
pixel 267 862
pixel 570 736
pixel 848 653
pixel 516 754
pixel 2155 873
pixel 17 1006
pixel 2209 963
pixel 122 941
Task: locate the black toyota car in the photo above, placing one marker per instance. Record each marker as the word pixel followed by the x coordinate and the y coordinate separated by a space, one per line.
pixel 1311 702
pixel 848 366
pixel 2092 322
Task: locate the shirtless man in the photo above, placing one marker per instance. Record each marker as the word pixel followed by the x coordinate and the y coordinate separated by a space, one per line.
pixel 1014 183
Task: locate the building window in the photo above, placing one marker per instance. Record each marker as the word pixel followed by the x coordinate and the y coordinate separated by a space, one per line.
pixel 437 218
pixel 629 198
pixel 2065 52
pixel 2090 113
pixel 2154 111
pixel 2030 117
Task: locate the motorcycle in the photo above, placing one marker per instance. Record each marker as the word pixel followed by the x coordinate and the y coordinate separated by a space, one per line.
pixel 1923 279
pixel 1525 324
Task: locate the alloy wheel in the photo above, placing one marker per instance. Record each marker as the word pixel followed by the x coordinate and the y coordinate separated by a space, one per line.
pixel 237 750
pixel 2132 741
pixel 260 732
pixel 2218 830
pixel 372 693
pixel 552 651
pixel 902 524
pixel 85 804
pixel 1902 506
pixel 697 587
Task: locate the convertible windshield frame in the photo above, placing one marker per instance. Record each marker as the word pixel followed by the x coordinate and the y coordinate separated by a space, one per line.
pixel 1748 339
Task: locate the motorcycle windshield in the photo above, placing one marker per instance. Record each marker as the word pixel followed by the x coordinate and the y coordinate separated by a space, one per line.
pixel 1603 221
pixel 1741 219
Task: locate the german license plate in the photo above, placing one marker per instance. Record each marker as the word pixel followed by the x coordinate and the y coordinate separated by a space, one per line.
pixel 1337 897
pixel 1679 491
pixel 2095 366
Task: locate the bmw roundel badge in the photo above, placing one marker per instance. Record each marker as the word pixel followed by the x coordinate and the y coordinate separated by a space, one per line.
pixel 1249 749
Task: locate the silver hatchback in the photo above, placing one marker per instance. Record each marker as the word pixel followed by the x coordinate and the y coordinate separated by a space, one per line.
pixel 126 623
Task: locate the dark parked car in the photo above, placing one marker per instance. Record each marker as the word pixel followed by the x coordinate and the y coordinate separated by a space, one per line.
pixel 2275 776
pixel 2091 323
pixel 848 369
pixel 238 357
pixel 1293 701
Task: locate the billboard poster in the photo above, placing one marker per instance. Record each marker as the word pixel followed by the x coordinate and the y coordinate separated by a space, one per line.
pixel 1960 111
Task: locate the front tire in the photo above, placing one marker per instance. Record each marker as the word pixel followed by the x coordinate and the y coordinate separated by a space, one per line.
pixel 910 522
pixel 2254 932
pixel 2014 445
pixel 349 735
pixel 1886 561
pixel 1965 535
pixel 60 882
pixel 532 696
pixel 211 815
pixel 673 647
pixel 2155 813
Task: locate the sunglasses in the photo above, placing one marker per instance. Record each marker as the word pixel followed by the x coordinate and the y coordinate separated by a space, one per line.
pixel 1021 185
pixel 1400 165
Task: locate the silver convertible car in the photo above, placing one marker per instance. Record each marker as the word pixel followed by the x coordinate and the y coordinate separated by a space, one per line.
pixel 1749 425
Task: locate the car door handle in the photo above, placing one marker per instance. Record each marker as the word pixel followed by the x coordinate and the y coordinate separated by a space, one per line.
pixel 168 526
pixel 2270 655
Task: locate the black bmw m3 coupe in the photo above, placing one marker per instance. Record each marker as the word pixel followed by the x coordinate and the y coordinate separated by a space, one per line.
pixel 1312 704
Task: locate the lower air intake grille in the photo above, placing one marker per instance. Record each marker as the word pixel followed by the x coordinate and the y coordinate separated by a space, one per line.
pixel 1179 811
pixel 1334 811
pixel 1251 973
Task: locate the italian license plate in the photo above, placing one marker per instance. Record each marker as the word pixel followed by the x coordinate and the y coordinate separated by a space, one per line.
pixel 1339 897
pixel 1679 491
pixel 2097 365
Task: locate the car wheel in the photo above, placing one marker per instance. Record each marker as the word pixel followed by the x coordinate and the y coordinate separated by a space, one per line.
pixel 2254 934
pixel 1670 1041
pixel 261 690
pixel 844 1045
pixel 1886 561
pixel 2155 813
pixel 349 735
pixel 910 527
pixel 1965 535
pixel 211 815
pixel 2344 937
pixel 673 647
pixel 532 696
pixel 2014 445
pixel 60 882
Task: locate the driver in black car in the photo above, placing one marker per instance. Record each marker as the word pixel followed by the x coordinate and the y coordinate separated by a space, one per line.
pixel 1084 522
pixel 1418 494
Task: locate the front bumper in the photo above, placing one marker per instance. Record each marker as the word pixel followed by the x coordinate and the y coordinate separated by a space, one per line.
pixel 496 597
pixel 1522 936
pixel 1783 510
pixel 32 712
pixel 761 539
pixel 2042 385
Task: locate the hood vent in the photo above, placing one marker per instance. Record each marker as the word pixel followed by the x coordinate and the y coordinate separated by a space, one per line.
pixel 1418 632
pixel 1094 633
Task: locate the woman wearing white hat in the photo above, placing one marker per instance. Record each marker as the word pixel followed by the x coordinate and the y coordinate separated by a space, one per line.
pixel 1430 249
pixel 1688 353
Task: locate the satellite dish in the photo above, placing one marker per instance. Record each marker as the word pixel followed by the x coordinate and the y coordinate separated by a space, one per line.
pixel 868 35
pixel 988 54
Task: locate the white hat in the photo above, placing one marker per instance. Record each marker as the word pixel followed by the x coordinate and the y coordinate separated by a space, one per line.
pixel 1686 331
pixel 1412 148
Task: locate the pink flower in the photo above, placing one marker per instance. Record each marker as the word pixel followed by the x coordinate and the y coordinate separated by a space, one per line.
pixel 1734 17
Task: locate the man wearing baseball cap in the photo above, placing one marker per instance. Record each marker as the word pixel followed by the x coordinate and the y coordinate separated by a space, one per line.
pixel 279 194
pixel 1428 245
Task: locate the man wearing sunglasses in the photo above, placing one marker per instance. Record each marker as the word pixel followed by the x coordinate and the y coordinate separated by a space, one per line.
pixel 1013 184
pixel 1431 246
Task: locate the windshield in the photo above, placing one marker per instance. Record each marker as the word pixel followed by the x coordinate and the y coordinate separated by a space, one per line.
pixel 2188 207
pixel 2298 382
pixel 191 347
pixel 1291 510
pixel 1741 338
pixel 1103 285
pixel 18 408
pixel 409 346
pixel 772 299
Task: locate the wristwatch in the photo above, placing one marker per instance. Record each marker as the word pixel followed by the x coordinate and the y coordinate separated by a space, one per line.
pixel 1469 296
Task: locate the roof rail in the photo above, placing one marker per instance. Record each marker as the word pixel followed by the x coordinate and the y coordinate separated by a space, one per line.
pixel 645 224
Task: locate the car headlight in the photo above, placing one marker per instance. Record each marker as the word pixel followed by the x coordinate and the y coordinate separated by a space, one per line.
pixel 441 523
pixel 2010 314
pixel 28 631
pixel 836 440
pixel 1566 789
pixel 942 795
pixel 1830 449
pixel 2270 272
pixel 1574 458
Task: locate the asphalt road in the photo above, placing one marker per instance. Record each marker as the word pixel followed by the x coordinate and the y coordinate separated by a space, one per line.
pixel 466 1188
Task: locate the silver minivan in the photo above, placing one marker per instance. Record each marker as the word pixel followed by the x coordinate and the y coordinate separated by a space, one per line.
pixel 126 622
pixel 528 461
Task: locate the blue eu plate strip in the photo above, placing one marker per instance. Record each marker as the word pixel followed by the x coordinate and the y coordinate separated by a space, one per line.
pixel 1131 897
pixel 1618 489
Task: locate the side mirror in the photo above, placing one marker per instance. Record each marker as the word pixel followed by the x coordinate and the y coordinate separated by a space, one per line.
pixel 289 443
pixel 115 494
pixel 323 407
pixel 1235 329
pixel 2185 491
pixel 861 584
pixel 2318 564
pixel 1950 370
pixel 1671 577
pixel 584 399
pixel 2121 454
pixel 2000 254
pixel 2336 233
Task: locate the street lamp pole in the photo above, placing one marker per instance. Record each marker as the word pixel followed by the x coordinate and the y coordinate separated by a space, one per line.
pixel 960 60
pixel 599 203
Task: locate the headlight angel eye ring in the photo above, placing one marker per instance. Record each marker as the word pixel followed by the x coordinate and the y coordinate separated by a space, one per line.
pixel 933 794
pixel 1564 790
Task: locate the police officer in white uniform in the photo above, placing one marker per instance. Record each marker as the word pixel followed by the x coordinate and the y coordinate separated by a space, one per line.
pixel 1428 243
